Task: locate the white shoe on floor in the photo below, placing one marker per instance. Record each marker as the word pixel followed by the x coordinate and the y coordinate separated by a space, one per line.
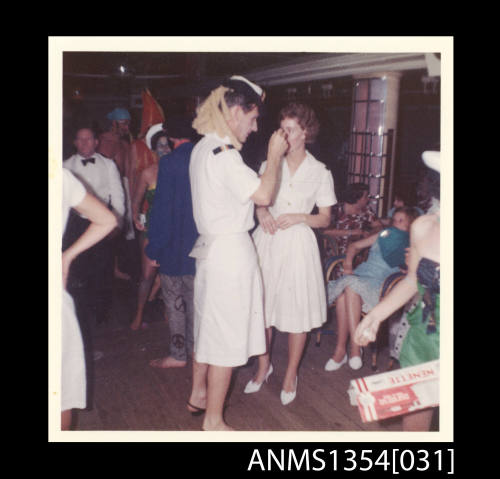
pixel 356 362
pixel 333 365
pixel 286 397
pixel 253 387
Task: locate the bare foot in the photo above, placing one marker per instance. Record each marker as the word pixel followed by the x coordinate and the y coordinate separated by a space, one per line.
pixel 168 362
pixel 195 410
pixel 135 325
pixel 216 426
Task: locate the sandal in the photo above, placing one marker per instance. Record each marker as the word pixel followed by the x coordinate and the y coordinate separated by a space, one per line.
pixel 198 410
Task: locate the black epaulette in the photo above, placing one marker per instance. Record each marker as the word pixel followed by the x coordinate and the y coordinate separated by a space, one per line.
pixel 222 148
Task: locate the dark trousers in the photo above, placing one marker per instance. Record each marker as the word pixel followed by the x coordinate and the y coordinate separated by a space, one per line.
pixel 90 278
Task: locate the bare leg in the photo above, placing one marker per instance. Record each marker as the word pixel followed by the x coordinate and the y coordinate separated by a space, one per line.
pixel 66 417
pixel 155 288
pixel 342 328
pixel 264 359
pixel 120 274
pixel 418 421
pixel 296 343
pixel 147 276
pixel 198 396
pixel 353 307
pixel 219 378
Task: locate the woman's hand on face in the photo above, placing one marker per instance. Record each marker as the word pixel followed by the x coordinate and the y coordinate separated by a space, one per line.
pixel 278 144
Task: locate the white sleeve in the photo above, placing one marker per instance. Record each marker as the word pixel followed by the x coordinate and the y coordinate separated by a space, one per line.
pixel 73 189
pixel 240 179
pixel 326 192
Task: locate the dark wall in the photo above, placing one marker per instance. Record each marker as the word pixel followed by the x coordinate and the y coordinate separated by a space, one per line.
pixel 418 124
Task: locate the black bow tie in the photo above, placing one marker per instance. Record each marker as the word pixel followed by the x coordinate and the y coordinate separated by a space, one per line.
pixel 85 161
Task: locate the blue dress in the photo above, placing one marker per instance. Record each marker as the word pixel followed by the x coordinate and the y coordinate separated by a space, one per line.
pixel 367 279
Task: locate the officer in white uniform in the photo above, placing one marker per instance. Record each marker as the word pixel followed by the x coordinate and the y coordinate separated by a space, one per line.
pixel 229 318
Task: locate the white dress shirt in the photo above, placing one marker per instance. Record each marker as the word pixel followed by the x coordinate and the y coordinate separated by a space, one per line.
pixel 102 179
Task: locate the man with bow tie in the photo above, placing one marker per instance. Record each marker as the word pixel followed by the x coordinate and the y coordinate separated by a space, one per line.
pixel 99 174
pixel 90 277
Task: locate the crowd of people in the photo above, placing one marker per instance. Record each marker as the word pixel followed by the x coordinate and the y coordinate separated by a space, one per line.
pixel 183 189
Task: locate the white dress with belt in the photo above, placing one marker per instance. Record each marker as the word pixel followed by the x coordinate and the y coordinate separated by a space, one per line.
pixel 228 303
pixel 294 286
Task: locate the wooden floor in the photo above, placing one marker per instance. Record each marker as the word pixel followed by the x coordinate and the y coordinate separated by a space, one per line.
pixel 126 394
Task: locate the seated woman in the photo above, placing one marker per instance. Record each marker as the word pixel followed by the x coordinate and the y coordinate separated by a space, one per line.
pixel 360 289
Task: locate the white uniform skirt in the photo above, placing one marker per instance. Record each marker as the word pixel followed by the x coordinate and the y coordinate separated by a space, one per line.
pixel 228 302
pixel 294 287
pixel 73 380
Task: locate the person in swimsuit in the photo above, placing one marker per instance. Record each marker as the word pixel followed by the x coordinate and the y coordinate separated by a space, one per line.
pixel 422 340
pixel 144 195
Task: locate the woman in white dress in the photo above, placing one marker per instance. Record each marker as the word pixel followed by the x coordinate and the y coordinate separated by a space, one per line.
pixel 294 288
pixel 102 222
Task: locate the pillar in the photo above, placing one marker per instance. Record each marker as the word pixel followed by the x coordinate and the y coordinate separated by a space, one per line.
pixel 373 135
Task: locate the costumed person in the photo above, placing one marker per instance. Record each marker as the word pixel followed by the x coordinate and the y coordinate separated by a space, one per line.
pixel 101 223
pixel 228 295
pixel 142 155
pixel 421 343
pixel 115 144
pixel 287 248
pixel 171 237
pixel 359 290
pixel 157 141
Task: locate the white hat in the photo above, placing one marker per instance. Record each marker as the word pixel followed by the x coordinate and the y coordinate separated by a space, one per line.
pixel 432 159
pixel 256 88
pixel 151 132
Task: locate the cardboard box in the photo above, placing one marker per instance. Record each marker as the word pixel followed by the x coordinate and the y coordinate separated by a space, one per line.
pixel 396 392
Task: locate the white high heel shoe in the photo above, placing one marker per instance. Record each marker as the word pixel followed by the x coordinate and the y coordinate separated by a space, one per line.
pixel 253 387
pixel 333 365
pixel 286 397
